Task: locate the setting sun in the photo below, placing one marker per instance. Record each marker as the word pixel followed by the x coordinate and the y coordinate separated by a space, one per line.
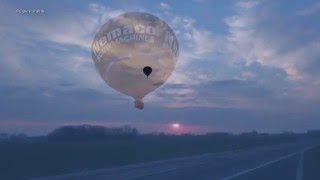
pixel 176 125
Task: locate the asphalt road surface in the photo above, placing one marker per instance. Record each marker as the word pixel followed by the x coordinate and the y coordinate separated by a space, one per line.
pixel 295 161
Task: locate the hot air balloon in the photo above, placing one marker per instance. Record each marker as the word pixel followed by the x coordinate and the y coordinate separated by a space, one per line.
pixel 135 53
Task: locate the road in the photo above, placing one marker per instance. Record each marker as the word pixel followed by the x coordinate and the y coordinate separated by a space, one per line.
pixel 295 161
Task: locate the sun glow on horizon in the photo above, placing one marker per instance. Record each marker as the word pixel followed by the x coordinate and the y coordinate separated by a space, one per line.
pixel 175 125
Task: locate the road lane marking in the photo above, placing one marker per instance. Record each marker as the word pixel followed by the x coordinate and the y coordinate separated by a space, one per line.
pixel 267 163
pixel 300 167
pixel 165 171
pixel 260 166
pixel 107 171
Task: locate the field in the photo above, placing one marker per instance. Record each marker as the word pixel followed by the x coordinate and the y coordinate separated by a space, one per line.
pixel 44 157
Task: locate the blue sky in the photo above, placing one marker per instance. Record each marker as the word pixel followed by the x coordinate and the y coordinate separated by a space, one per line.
pixel 243 65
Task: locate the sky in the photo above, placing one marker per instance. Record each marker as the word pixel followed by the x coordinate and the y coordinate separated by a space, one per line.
pixel 244 65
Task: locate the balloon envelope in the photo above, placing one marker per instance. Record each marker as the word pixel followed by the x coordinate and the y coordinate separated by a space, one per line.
pixel 128 43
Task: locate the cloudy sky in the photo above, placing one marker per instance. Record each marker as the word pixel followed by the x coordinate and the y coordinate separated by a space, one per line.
pixel 243 65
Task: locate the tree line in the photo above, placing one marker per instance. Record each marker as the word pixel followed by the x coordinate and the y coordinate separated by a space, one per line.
pixel 84 133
